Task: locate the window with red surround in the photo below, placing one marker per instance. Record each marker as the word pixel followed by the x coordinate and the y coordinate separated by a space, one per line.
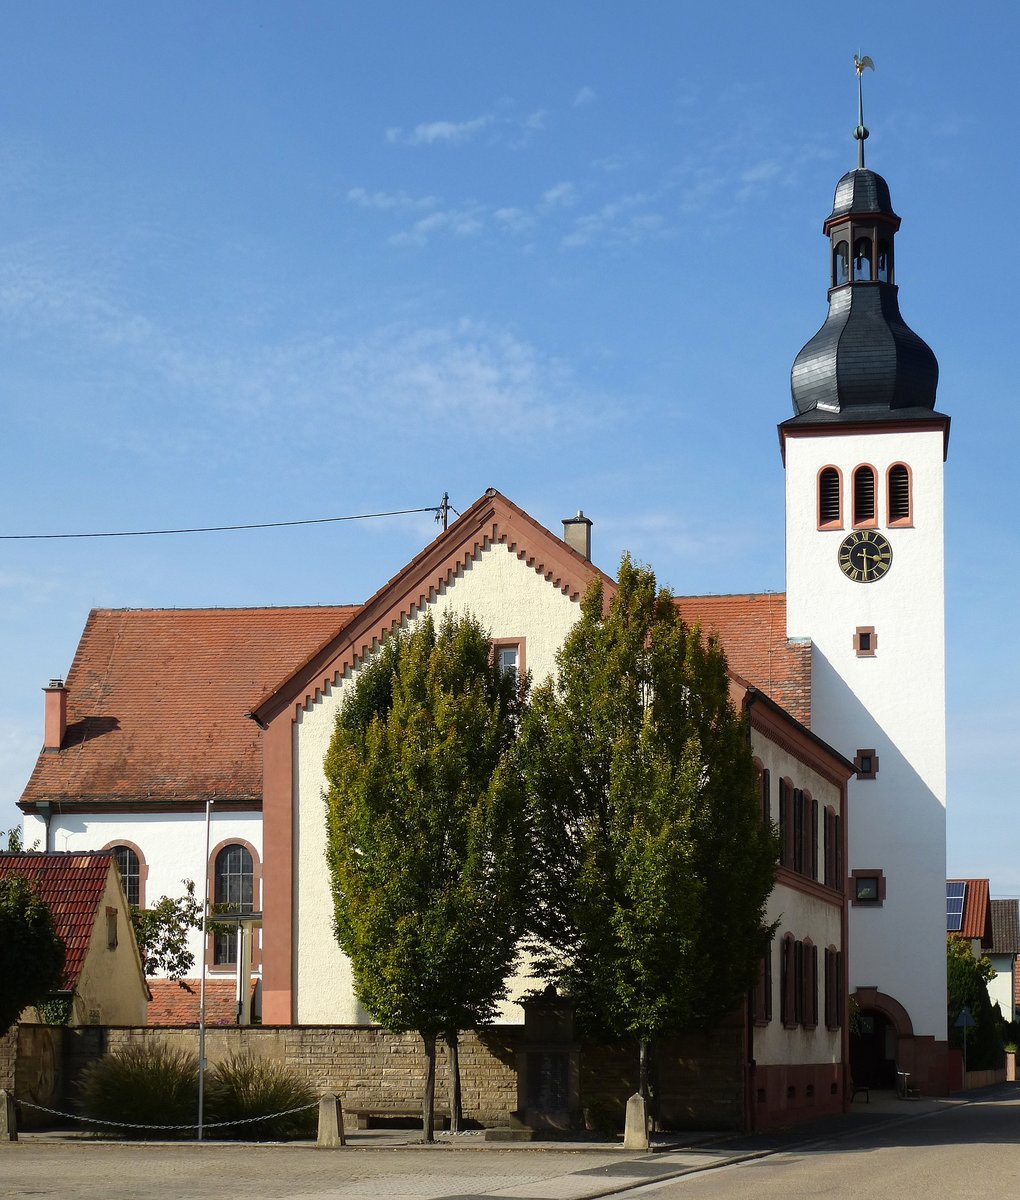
pixel 830 499
pixel 866 762
pixel 867 887
pixel 865 641
pixel 798 983
pixel 761 997
pixel 833 848
pixel 899 498
pixel 865 513
pixel 798 829
pixel 833 988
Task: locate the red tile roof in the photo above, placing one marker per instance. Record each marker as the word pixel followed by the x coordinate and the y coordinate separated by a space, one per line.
pixel 752 629
pixel 156 703
pixel 977 912
pixel 72 885
pixel 175 1002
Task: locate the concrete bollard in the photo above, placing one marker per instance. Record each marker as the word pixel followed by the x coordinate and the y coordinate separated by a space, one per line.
pixel 331 1122
pixel 8 1118
pixel 635 1133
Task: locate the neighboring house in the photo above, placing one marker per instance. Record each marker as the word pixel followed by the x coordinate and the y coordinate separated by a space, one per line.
pixel 150 726
pixel 1004 952
pixel 969 913
pixel 103 980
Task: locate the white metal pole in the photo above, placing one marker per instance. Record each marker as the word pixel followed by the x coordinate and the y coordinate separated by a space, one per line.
pixel 201 986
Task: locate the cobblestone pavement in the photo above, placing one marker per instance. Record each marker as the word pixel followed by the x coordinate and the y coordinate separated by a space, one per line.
pixel 384 1165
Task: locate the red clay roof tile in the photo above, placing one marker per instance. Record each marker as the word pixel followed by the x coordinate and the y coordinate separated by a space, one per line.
pixel 752 630
pixel 157 702
pixel 72 885
pixel 175 1002
pixel 977 912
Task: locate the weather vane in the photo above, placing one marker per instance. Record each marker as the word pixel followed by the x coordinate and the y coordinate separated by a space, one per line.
pixel 860 133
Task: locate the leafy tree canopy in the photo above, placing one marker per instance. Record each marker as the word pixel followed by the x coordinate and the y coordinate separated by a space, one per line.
pixel 162 933
pixel 425 831
pixel 653 865
pixel 967 981
pixel 31 953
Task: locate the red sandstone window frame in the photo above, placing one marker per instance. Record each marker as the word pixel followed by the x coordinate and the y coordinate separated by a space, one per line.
pixel 868 519
pixel 512 643
pixel 903 520
pixel 143 868
pixel 212 966
pixel 829 478
pixel 866 763
pixel 859 879
pixel 865 641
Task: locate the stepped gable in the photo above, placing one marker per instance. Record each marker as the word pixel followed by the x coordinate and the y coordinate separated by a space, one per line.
pixel 157 702
pixel 72 886
pixel 752 630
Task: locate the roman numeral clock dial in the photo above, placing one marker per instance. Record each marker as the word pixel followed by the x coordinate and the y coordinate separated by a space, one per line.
pixel 865 556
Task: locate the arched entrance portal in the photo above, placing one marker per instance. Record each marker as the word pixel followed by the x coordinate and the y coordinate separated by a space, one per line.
pixel 873 1050
pixel 877 1037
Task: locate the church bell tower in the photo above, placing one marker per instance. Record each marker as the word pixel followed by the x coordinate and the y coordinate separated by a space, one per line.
pixel 864 456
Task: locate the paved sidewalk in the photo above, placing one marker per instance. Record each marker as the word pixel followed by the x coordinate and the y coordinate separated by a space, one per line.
pixel 393 1165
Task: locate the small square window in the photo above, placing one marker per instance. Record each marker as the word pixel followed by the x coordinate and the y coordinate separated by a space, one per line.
pixel 867 886
pixel 865 641
pixel 510 655
pixel 866 762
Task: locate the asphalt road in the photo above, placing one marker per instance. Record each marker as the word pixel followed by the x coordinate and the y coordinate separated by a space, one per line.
pixel 967 1148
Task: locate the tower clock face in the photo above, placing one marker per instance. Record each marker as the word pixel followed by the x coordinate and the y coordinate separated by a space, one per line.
pixel 865 556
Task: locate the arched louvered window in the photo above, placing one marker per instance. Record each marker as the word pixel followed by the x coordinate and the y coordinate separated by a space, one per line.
pixel 830 507
pixel 862 258
pixel 864 496
pixel 234 892
pixel 130 872
pixel 885 274
pixel 899 499
pixel 841 264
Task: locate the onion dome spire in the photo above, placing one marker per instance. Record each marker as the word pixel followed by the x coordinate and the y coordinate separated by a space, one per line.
pixel 864 363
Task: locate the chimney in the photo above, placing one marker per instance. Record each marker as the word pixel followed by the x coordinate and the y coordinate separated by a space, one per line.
pixel 55 720
pixel 577 534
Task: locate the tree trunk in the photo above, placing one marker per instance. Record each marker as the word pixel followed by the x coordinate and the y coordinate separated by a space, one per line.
pixel 428 1100
pixel 643 1067
pixel 453 1066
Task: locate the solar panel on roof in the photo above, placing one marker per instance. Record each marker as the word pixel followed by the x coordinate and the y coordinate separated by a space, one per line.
pixel 955 893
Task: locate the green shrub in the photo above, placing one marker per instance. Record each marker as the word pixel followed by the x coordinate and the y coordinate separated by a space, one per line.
pixel 147 1085
pixel 243 1086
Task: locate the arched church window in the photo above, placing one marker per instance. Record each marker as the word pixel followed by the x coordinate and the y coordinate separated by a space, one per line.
pixel 830 512
pixel 233 892
pixel 885 262
pixel 899 499
pixel 862 258
pixel 841 264
pixel 864 496
pixel 130 872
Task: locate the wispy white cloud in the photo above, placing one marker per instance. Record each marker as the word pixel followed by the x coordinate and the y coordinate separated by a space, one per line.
pixel 514 220
pixel 583 96
pixel 387 201
pixel 431 132
pixel 621 221
pixel 457 222
pixel 561 195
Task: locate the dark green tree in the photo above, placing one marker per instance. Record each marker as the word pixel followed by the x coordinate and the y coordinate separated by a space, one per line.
pixel 425 833
pixel 967 980
pixel 31 952
pixel 653 866
pixel 162 933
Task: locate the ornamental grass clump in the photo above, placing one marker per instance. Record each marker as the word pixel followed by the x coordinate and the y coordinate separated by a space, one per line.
pixel 244 1087
pixel 139 1089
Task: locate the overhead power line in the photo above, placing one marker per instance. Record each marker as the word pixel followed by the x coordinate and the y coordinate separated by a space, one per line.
pixel 438 509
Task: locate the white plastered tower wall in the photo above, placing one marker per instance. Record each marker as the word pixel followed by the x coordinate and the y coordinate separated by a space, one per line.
pixel 513 602
pixel 892 702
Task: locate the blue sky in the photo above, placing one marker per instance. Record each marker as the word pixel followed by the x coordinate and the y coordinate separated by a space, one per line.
pixel 266 262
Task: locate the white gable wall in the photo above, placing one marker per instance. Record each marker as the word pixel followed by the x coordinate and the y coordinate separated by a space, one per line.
pixel 512 601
